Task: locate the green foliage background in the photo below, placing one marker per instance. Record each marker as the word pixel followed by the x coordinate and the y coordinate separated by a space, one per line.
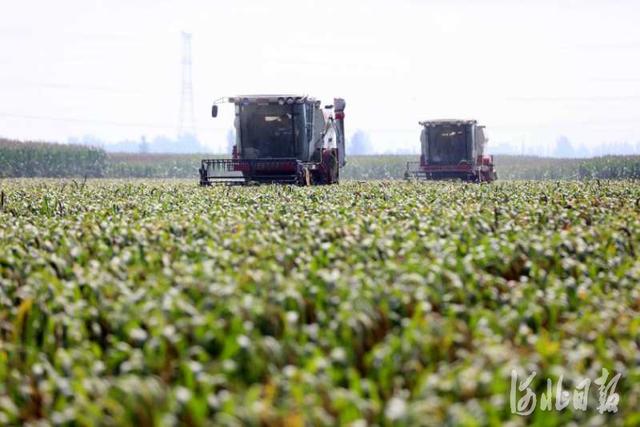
pixel 39 159
pixel 28 159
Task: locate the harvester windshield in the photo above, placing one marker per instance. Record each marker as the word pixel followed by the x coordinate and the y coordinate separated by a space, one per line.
pixel 449 144
pixel 271 130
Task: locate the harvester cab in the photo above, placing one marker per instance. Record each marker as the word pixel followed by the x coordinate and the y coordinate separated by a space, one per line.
pixel 453 149
pixel 281 139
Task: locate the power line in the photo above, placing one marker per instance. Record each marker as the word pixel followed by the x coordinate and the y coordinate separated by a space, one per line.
pixel 94 121
pixel 575 98
pixel 74 87
pixel 587 123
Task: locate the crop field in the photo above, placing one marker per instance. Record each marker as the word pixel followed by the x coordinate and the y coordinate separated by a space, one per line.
pixel 389 167
pixel 45 160
pixel 40 159
pixel 369 303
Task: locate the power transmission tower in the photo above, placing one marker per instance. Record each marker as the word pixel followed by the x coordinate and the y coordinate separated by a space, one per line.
pixel 187 121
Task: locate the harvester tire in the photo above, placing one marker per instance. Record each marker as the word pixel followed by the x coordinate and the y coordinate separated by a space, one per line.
pixel 333 171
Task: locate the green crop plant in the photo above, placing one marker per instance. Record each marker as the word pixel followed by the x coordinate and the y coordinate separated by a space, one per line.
pixel 39 159
pixel 377 303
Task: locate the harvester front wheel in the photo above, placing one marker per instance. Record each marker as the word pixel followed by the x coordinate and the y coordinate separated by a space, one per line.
pixel 331 169
pixel 328 172
pixel 304 177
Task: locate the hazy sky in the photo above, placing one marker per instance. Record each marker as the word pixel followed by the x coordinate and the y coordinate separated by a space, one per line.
pixel 529 70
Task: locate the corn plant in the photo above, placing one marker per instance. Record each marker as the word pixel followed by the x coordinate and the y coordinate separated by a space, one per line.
pixel 377 303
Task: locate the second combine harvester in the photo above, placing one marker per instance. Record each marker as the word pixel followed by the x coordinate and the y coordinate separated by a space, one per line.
pixel 453 149
pixel 281 139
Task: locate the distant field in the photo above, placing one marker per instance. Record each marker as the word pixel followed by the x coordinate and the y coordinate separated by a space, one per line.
pixel 56 160
pixel 393 167
pixel 152 302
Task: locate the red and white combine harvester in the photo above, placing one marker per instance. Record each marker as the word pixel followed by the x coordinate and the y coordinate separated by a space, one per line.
pixel 281 139
pixel 453 149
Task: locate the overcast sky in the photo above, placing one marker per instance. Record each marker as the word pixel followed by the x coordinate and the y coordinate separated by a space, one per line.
pixel 529 70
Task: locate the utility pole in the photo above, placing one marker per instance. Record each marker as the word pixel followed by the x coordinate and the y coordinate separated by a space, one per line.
pixel 187 120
